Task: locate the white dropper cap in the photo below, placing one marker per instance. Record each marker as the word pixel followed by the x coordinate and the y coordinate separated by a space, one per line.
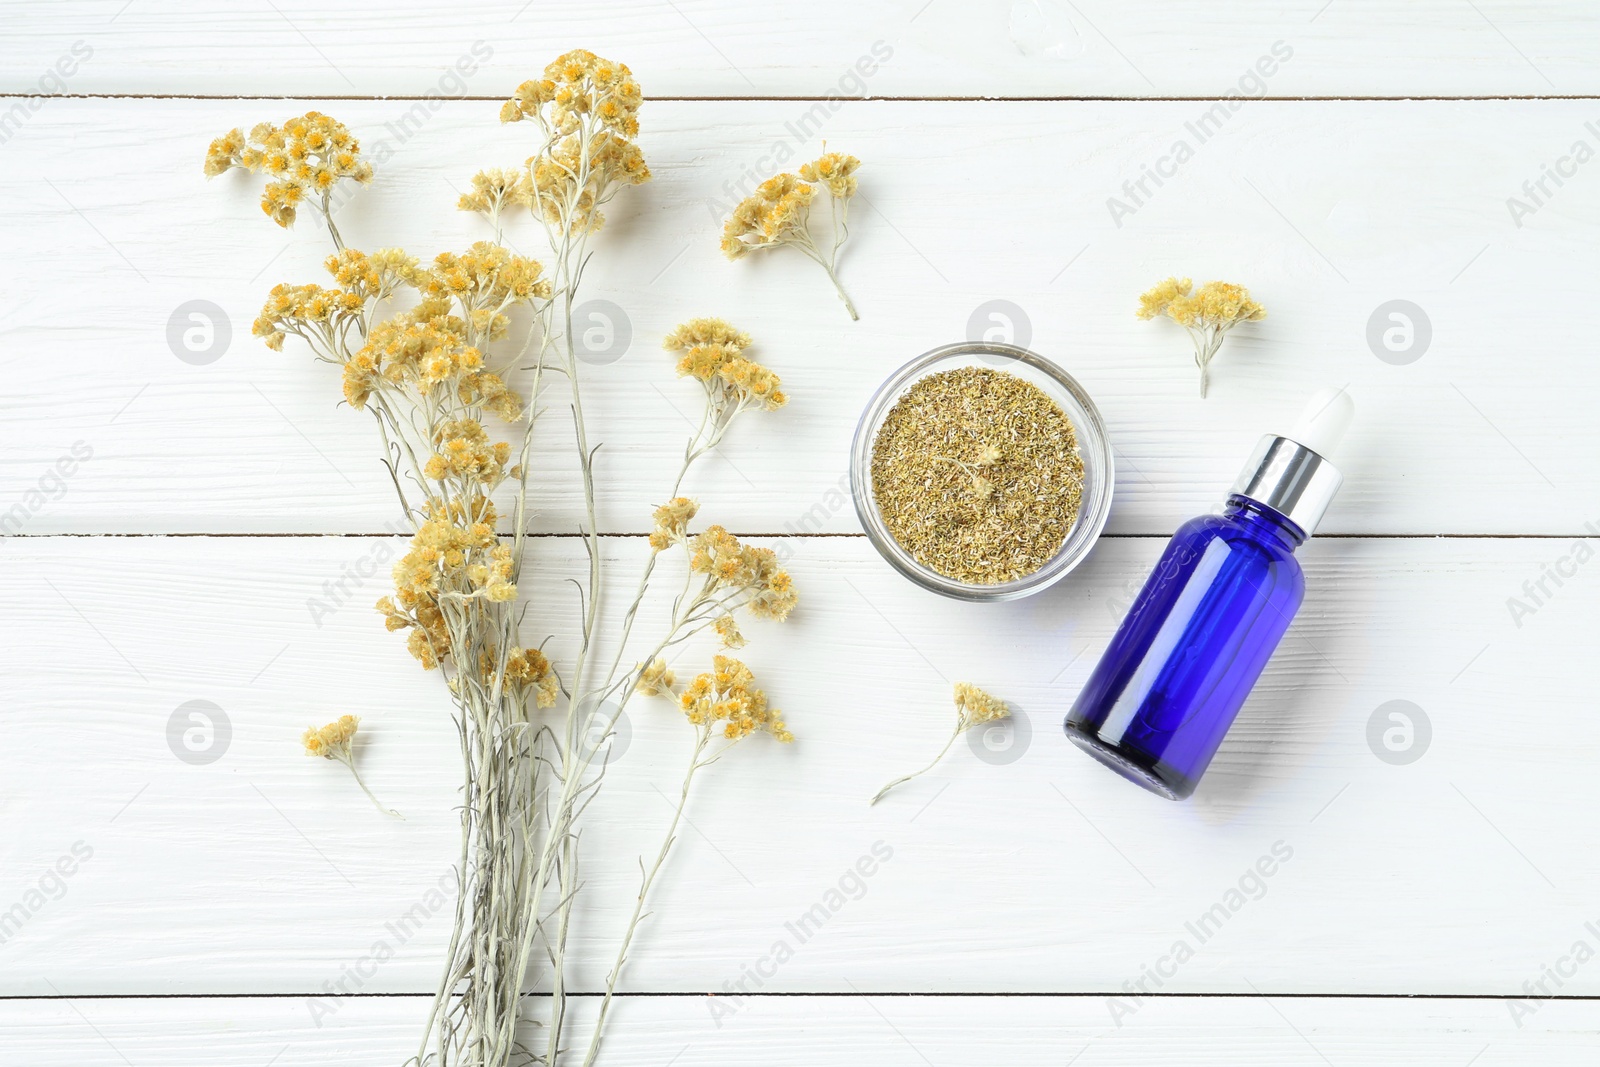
pixel 1323 422
pixel 1293 473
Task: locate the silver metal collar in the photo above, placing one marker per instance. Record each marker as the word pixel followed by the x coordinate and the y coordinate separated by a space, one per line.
pixel 1289 478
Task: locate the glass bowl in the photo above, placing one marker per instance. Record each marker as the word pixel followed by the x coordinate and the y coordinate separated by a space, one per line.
pixel 1093 447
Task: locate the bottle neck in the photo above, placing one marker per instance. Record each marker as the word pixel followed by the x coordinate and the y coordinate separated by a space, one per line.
pixel 1256 516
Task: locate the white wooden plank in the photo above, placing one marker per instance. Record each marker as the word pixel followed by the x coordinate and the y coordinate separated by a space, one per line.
pixel 713 47
pixel 895 1031
pixel 1328 210
pixel 267 872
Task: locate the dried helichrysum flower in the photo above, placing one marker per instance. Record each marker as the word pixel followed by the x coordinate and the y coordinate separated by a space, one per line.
pixel 463 452
pixel 835 170
pixel 655 679
pixel 779 213
pixel 333 742
pixel 742 573
pixel 437 353
pixel 727 695
pixel 712 352
pixel 775 214
pixel 528 672
pixel 485 280
pixel 974 707
pixel 330 319
pixel 496 189
pixel 306 156
pixel 454 559
pixel 588 108
pixel 727 628
pixel 1207 313
pixel 672 522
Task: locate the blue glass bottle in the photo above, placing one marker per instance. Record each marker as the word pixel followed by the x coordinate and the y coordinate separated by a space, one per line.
pixel 1210 615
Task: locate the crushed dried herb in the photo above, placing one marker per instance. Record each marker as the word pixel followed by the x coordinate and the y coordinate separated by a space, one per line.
pixel 977 475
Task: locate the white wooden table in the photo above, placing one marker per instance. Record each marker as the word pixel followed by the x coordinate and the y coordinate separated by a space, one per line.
pixel 210 905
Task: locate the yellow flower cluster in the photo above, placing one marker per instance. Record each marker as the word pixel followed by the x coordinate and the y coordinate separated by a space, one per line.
pixel 333 740
pixel 589 108
pixel 1216 305
pixel 656 679
pixel 427 349
pixel 496 189
pixel 775 214
pixel 731 566
pixel 727 628
pixel 453 555
pixel 672 522
pixel 712 352
pixel 486 279
pixel 528 672
pixel 1207 313
pixel 306 155
pixel 464 451
pixel 324 317
pixel 779 213
pixel 835 170
pixel 727 695
pixel 975 707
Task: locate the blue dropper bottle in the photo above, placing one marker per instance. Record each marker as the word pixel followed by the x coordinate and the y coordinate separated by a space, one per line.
pixel 1212 612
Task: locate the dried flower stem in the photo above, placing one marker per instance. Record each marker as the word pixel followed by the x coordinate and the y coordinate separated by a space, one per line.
pixel 903 779
pixel 974 707
pixel 351 763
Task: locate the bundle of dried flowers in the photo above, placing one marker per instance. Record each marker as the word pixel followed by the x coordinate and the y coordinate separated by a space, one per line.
pixel 1208 314
pixel 779 213
pixel 974 707
pixel 436 376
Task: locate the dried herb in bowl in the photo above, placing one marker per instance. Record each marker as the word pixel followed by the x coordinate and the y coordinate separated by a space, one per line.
pixel 977 475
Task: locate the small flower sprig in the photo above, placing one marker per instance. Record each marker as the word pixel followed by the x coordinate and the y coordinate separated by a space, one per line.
pixel 308 155
pixel 974 707
pixel 333 742
pixel 711 351
pixel 722 704
pixel 779 213
pixel 1208 314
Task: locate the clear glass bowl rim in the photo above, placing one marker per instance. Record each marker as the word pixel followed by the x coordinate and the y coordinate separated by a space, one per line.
pixel 1093 445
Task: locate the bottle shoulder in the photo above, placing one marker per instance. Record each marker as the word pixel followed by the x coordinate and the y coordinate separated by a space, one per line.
pixel 1242 533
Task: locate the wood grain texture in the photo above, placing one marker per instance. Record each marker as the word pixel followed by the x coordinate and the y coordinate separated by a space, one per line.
pixel 1328 210
pixel 706 48
pixel 893 1031
pixel 268 872
pixel 255 909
